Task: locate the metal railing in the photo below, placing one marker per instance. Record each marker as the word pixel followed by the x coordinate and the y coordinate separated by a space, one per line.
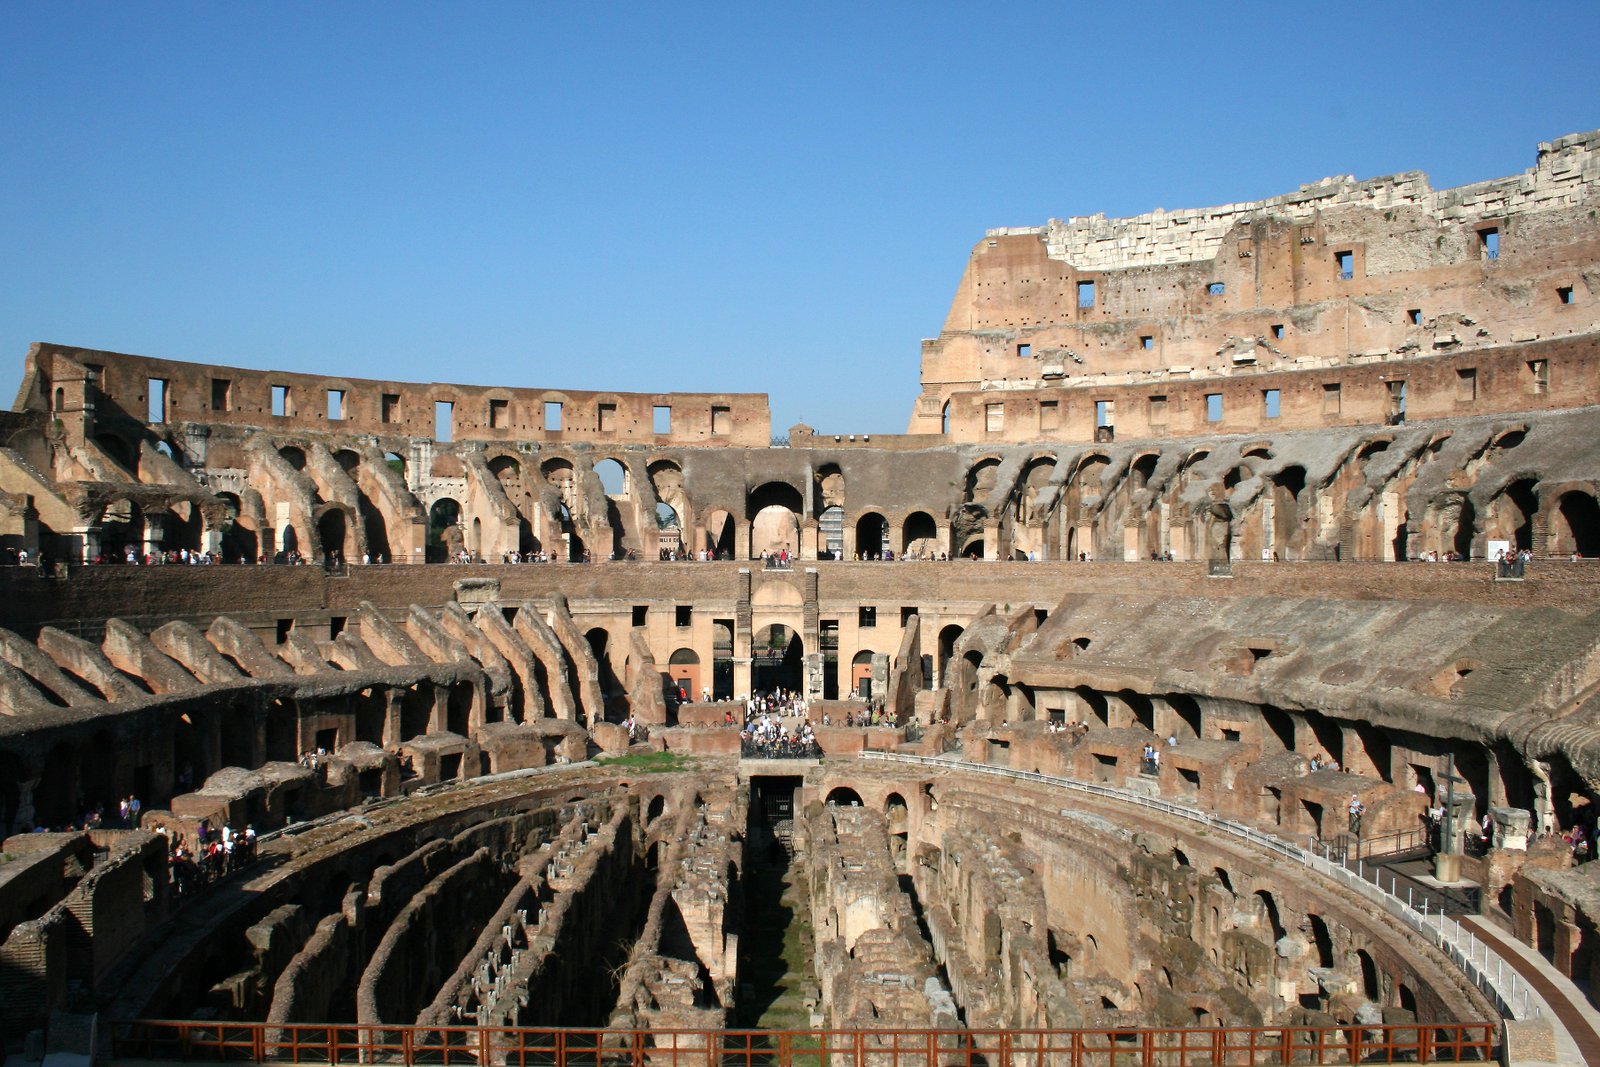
pixel 1125 1047
pixel 1496 980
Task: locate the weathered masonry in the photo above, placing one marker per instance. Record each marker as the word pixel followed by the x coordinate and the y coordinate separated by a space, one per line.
pixel 1263 511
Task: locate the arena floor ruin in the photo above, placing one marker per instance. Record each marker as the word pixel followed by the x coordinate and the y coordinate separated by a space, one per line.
pixel 1209 528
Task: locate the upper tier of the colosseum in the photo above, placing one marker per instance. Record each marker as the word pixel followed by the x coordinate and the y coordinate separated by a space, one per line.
pixel 1338 274
pixel 1565 175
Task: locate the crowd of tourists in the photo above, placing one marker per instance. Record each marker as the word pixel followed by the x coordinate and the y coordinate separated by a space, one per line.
pixel 212 856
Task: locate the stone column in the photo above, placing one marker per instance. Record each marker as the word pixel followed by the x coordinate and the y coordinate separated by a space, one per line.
pixel 154 533
pixel 88 538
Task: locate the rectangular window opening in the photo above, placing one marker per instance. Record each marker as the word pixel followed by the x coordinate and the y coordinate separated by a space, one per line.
pixel 335 626
pixel 1158 411
pixel 444 413
pixel 1414 316
pixel 640 611
pixel 721 420
pixel 499 414
pixel 1213 407
pixel 552 415
pixel 1270 402
pixel 1466 385
pixel 1105 413
pixel 158 399
pixel 1024 351
pixel 867 618
pixel 285 627
pixel 390 408
pixel 1147 342
pixel 606 419
pixel 1489 242
pixel 1565 295
pixel 1277 331
pixel 281 406
pixel 1539 375
pixel 662 418
pixel 221 394
pixel 1347 264
pixel 1216 288
pixel 1049 414
pixel 1086 294
pixel 684 614
pixel 1331 398
pixel 1397 401
pixel 336 405
pixel 994 418
pixel 906 615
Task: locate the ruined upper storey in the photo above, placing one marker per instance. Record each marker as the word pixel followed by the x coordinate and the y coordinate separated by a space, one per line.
pixel 62 379
pixel 1339 273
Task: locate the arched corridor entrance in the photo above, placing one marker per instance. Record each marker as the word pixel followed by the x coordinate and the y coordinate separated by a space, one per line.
pixel 777 660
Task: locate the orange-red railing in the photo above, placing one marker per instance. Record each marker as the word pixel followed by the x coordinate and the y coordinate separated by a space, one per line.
pixel 460 1045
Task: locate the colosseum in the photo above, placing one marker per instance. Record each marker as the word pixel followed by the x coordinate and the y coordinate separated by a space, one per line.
pixel 1209 675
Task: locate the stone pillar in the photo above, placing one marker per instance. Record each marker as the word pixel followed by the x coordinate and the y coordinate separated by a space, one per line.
pixel 897 538
pixel 88 538
pixel 742 635
pixel 154 534
pixel 1511 828
pixel 741 539
pixel 439 721
pixel 807 549
pixel 991 539
pixel 391 717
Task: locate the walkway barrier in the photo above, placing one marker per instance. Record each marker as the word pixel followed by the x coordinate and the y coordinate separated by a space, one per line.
pixel 1494 978
pixel 455 1045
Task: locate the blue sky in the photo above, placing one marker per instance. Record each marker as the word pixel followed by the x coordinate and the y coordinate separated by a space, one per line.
pixel 694 197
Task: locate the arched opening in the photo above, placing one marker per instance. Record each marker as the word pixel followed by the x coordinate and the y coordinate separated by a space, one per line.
pixel 612 691
pixel 719 534
pixel 294 456
pixel 843 797
pixel 1280 724
pixel 1370 986
pixel 613 478
pixel 777 660
pixel 1513 511
pixel 1187 710
pixel 1267 909
pixel 1577 529
pixel 1323 940
pixel 683 668
pixel 1143 708
pixel 122 531
pixel 948 636
pixel 774 513
pixel 919 536
pixel 331 534
pixel 861 674
pixel 981 480
pixel 444 530
pixel 872 536
pixel 239 542
pixel 658 806
pixel 721 660
pixel 1142 470
pixel 973 548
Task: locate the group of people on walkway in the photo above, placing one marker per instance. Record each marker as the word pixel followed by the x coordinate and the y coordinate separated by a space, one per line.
pixel 215 854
